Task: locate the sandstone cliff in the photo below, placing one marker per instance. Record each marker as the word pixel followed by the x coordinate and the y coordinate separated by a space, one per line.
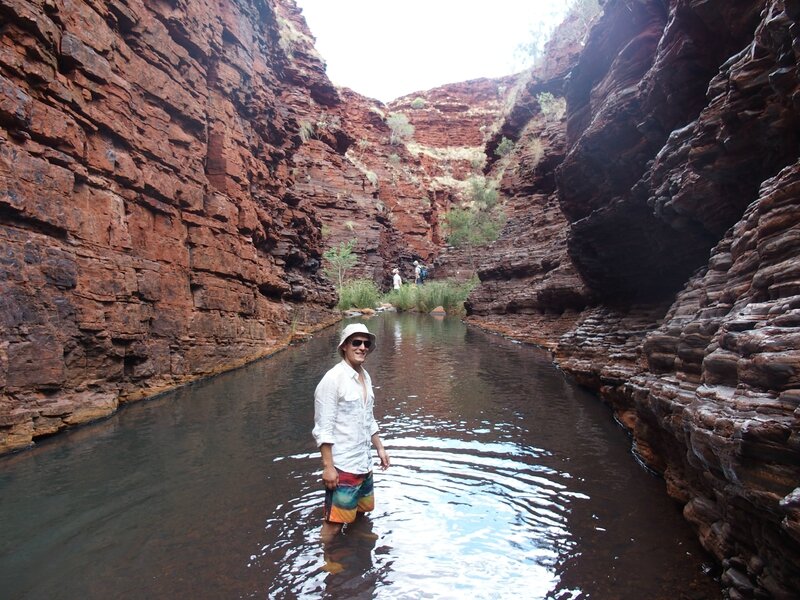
pixel 670 282
pixel 170 177
pixel 147 234
pixel 171 173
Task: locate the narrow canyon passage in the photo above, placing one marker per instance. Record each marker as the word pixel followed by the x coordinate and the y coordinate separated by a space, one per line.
pixel 507 481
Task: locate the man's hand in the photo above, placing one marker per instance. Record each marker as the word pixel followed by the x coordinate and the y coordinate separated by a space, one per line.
pixel 384 459
pixel 330 476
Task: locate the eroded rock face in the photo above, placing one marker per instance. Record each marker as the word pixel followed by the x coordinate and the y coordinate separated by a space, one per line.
pixel 145 154
pixel 530 288
pixel 389 195
pixel 171 176
pixel 634 97
pixel 171 173
pixel 681 140
pixel 725 364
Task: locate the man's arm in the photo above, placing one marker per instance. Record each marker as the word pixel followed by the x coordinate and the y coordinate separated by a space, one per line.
pixel 330 476
pixel 376 441
pixel 324 417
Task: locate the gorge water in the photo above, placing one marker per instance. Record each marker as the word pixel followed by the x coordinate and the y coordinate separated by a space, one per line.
pixel 507 481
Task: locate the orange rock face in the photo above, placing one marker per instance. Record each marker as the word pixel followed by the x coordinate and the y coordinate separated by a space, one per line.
pixel 170 176
pixel 145 154
pixel 172 173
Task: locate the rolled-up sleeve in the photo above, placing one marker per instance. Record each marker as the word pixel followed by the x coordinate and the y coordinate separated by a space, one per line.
pixel 325 397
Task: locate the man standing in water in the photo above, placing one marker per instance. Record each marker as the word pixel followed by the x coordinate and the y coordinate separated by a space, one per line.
pixel 344 428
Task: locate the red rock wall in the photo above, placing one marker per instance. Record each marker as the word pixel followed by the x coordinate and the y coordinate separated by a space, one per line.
pixel 146 235
pixel 359 194
pixel 681 140
pixel 170 175
pixel 388 196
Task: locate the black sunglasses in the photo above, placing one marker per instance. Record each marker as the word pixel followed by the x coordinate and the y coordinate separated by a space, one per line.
pixel 357 343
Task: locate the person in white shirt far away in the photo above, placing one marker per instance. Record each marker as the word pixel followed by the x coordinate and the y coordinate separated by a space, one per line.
pixel 397 281
pixel 344 430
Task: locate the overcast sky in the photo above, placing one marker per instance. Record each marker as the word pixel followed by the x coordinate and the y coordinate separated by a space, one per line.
pixel 385 49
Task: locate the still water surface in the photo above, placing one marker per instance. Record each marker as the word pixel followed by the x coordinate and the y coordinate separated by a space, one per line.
pixel 507 481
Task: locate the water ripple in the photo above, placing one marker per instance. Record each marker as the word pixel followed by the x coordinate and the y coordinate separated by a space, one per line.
pixel 506 482
pixel 465 515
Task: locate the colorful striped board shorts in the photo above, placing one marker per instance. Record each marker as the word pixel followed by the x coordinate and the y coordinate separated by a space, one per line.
pixel 353 495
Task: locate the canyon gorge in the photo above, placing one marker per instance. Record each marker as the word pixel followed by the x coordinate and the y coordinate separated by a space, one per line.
pixel 171 173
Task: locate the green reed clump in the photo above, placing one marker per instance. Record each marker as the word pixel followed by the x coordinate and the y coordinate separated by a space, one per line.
pixel 448 294
pixel 403 299
pixel 358 293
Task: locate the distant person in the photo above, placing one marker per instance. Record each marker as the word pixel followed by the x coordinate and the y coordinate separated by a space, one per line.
pixel 420 273
pixel 344 428
pixel 397 281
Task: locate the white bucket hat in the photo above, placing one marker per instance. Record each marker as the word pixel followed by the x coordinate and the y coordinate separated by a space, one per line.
pixel 352 329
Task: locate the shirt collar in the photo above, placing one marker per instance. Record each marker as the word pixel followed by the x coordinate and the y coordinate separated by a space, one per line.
pixel 351 372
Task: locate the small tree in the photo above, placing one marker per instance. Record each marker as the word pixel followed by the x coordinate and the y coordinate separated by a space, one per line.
pixel 482 193
pixel 401 129
pixel 504 148
pixel 340 260
pixel 459 225
pixel 480 222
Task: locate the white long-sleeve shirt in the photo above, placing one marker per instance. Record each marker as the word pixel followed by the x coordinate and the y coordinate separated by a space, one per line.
pixel 343 418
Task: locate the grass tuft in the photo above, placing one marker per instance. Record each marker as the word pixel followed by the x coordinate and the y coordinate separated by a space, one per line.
pixel 358 293
pixel 448 294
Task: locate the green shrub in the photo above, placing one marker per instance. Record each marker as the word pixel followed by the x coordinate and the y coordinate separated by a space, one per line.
pixel 358 293
pixel 418 103
pixel 459 223
pixel 479 223
pixel 552 108
pixel 401 129
pixel 306 131
pixel 477 162
pixel 483 193
pixel 450 295
pixel 339 260
pixel 504 148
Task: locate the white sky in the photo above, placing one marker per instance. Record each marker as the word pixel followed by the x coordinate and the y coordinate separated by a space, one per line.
pixel 385 49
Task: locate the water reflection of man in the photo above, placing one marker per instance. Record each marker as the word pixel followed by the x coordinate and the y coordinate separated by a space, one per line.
pixel 344 428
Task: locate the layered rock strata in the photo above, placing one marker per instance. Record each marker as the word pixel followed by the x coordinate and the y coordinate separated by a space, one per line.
pixel 681 140
pixel 147 236
pixel 171 173
pixel 389 194
pixel 171 176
